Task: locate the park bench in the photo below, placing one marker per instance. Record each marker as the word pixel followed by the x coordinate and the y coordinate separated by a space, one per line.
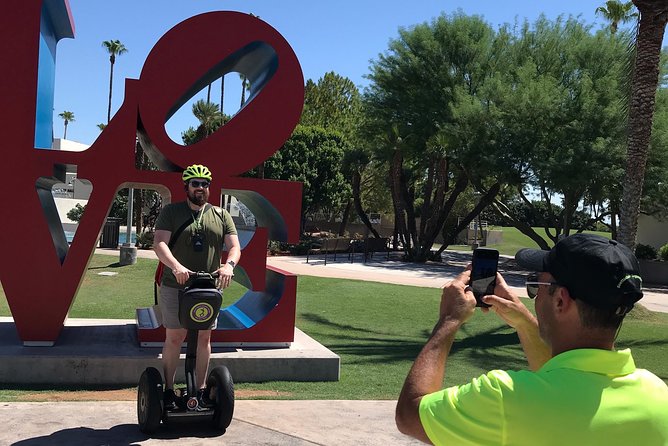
pixel 328 246
pixel 371 245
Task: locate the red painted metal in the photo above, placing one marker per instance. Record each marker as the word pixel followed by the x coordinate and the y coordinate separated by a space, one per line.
pixel 39 285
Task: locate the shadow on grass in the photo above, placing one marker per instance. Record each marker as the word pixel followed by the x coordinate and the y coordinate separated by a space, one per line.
pixel 492 348
pixel 111 265
pixel 486 349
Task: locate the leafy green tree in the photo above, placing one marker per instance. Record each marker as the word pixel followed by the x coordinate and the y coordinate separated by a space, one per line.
pixel 531 108
pixel 334 103
pixel 410 119
pixel 617 12
pixel 67 117
pixel 644 83
pixel 561 123
pixel 312 156
pixel 114 48
pixel 118 208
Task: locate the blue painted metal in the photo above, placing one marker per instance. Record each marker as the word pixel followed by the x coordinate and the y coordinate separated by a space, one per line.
pixel 55 24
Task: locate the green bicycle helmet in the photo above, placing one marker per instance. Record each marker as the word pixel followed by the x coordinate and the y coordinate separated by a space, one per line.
pixel 196 171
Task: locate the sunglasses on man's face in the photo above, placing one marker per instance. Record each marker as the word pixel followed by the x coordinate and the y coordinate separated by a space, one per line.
pixel 533 285
pixel 195 184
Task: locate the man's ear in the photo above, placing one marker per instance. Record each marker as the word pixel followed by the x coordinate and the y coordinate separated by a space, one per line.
pixel 563 302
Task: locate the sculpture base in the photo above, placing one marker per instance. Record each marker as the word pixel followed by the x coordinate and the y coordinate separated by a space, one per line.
pixel 107 352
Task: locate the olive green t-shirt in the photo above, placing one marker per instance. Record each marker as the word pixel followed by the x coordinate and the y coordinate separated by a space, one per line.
pixel 215 223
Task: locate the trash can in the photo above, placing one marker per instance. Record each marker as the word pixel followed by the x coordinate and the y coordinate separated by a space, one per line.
pixel 110 233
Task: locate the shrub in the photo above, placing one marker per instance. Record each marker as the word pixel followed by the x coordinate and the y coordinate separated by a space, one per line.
pixel 300 249
pixel 274 247
pixel 76 212
pixel 645 252
pixel 663 252
pixel 145 240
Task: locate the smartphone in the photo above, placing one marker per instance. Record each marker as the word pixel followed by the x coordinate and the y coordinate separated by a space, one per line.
pixel 483 273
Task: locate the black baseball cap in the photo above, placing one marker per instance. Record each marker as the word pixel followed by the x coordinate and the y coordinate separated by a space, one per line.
pixel 599 271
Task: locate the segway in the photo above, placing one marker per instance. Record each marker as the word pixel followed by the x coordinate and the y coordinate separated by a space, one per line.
pixel 198 305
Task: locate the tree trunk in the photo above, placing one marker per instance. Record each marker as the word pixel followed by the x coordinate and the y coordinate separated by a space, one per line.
pixel 357 201
pixel 397 199
pixel 345 218
pixel 111 85
pixel 441 212
pixel 613 221
pixel 653 16
pixel 65 133
pixel 485 200
pixel 243 90
pixel 523 227
pixel 138 207
pixel 222 93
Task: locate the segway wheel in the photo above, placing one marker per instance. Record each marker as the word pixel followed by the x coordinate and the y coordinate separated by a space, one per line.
pixel 222 393
pixel 149 400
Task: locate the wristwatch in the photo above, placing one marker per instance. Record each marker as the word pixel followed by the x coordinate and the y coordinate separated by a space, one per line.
pixel 231 262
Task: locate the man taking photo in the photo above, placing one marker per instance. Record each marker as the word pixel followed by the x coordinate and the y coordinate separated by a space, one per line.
pixel 580 390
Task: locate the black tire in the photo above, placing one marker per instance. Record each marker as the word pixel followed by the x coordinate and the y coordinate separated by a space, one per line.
pixel 221 391
pixel 149 400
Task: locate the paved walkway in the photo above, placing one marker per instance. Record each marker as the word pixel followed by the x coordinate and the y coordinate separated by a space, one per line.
pixel 430 275
pixel 282 423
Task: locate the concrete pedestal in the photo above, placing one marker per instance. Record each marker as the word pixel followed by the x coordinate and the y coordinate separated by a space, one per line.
pixel 107 352
pixel 128 255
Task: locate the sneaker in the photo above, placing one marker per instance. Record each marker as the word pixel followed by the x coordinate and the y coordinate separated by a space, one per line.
pixel 203 398
pixel 169 400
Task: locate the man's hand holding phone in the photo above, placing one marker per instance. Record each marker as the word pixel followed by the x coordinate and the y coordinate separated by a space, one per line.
pixel 457 301
pixel 508 306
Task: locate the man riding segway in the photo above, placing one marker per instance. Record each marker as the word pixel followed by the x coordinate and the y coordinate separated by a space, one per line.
pixel 189 238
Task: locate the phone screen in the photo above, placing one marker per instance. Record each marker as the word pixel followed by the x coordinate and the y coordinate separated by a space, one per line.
pixel 483 273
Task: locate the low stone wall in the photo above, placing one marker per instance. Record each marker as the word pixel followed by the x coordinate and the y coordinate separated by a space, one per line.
pixel 654 271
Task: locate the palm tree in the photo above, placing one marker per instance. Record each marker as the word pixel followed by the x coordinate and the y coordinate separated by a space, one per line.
pixel 645 79
pixel 68 117
pixel 222 93
pixel 617 12
pixel 101 126
pixel 114 48
pixel 245 83
pixel 245 86
pixel 209 117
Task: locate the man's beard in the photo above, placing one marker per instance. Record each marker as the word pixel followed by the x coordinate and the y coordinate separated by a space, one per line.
pixel 198 199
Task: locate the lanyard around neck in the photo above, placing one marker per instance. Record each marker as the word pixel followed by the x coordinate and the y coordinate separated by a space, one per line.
pixel 198 220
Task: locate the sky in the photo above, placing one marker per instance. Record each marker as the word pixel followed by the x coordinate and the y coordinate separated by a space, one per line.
pixel 338 35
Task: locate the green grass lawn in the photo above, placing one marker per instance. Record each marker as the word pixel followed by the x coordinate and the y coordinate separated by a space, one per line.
pixel 376 329
pixel 379 329
pixel 514 240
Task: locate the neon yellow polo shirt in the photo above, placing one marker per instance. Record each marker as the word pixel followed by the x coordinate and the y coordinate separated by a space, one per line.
pixel 580 397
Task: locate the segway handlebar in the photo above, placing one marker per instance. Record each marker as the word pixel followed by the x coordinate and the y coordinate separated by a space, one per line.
pixel 204 274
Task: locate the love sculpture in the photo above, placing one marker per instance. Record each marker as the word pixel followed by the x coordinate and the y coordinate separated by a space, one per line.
pixel 40 272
